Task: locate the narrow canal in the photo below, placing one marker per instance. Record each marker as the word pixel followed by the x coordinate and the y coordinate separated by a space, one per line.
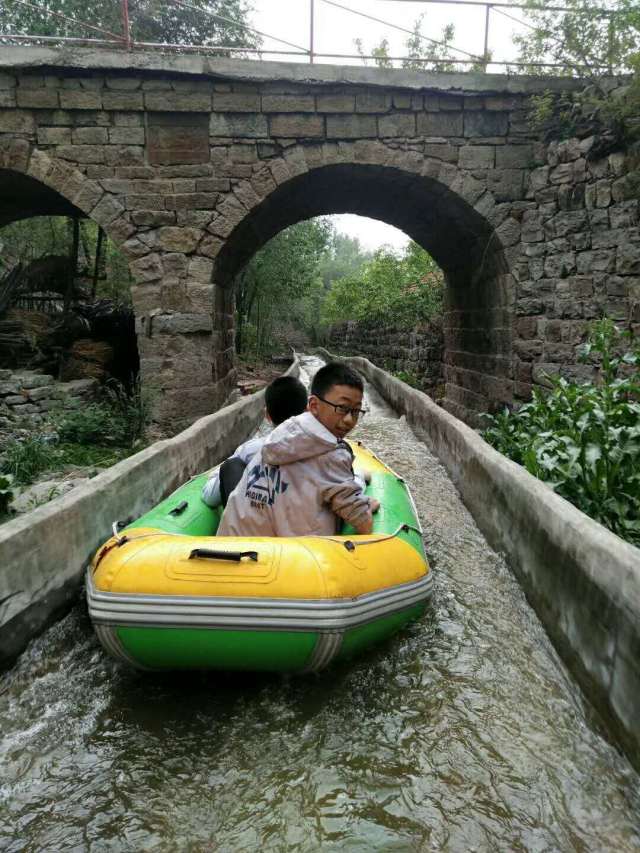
pixel 464 733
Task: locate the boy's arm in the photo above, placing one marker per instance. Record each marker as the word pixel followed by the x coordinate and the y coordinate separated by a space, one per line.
pixel 211 491
pixel 343 494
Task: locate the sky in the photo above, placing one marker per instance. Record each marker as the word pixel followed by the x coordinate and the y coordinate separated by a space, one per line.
pixel 335 31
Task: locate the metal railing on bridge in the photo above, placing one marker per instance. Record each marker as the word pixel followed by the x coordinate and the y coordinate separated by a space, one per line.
pixel 463 60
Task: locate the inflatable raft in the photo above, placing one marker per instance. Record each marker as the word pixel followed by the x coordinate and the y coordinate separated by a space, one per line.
pixel 165 593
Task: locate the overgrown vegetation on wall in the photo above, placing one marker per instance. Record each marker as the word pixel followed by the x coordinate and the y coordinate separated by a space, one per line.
pixel 583 439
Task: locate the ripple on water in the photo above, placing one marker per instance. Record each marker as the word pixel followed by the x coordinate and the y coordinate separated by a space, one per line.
pixel 462 733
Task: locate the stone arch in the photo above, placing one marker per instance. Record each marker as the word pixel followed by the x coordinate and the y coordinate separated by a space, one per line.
pixel 445 210
pixel 32 167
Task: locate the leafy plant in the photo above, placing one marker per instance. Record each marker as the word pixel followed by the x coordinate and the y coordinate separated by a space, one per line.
pixel 409 377
pixel 25 458
pixel 118 421
pixel 408 287
pixel 583 439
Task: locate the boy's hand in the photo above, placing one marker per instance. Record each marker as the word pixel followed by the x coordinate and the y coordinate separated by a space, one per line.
pixel 374 505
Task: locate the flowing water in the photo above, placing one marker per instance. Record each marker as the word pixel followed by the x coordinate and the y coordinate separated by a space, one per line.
pixel 463 733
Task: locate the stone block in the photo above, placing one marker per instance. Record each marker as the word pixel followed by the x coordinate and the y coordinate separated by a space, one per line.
pixel 182 324
pixel 126 135
pixel 147 268
pixel 481 123
pixel 242 126
pixel 335 103
pixel 514 156
pixel 560 265
pixel 175 239
pixel 43 99
pixel 373 102
pixel 397 124
pixel 79 99
pixel 81 153
pixel 27 381
pixel 236 102
pixel 178 139
pixel 506 184
pixel 54 135
pixel 153 218
pixel 89 136
pixel 628 259
pixel 440 124
pixel 197 102
pixel 124 155
pixel 442 151
pixel 477 157
pixel 12 121
pixel 296 126
pixel 288 104
pixel 191 201
pixel 123 101
pixel 107 209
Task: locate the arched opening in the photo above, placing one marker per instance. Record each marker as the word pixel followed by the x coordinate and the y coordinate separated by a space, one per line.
pixel 65 287
pixel 462 242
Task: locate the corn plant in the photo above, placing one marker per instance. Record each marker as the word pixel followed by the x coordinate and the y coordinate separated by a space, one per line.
pixel 583 439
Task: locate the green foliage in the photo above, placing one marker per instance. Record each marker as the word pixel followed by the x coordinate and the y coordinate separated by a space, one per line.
pixel 581 36
pixel 6 493
pixel 118 421
pixel 25 458
pixel 423 54
pixel 409 378
pixel 150 20
pixel 26 240
pixel 583 439
pixel 406 288
pixel 281 285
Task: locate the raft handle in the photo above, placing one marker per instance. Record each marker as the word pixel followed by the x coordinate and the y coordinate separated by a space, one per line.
pixel 235 556
pixel 179 508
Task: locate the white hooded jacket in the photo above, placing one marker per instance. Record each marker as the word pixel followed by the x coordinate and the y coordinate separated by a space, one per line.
pixel 300 483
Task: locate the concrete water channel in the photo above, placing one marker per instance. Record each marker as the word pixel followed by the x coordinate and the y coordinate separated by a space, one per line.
pixel 465 732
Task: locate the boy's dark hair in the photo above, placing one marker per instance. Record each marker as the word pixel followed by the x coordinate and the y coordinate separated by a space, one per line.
pixel 335 373
pixel 285 397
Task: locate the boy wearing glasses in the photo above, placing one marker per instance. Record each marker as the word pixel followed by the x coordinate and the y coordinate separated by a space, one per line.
pixel 301 482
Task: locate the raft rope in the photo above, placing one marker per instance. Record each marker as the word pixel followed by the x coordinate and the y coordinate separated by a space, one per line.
pixel 346 543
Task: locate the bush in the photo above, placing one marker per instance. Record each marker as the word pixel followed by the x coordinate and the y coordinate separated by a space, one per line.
pixel 583 439
pixel 25 458
pixel 118 421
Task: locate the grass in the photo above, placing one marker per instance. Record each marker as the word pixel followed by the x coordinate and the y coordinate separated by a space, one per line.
pixel 98 434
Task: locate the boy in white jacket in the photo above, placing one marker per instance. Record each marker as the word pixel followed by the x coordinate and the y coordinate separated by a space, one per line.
pixel 285 397
pixel 301 481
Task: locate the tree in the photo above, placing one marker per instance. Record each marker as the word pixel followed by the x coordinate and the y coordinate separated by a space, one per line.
pixel 281 285
pixel 404 288
pixel 150 20
pixel 423 54
pixel 592 37
pixel 344 256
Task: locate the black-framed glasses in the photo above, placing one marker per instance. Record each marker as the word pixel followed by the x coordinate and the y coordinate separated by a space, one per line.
pixel 344 410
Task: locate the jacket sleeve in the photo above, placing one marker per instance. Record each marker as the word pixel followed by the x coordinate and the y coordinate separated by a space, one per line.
pixel 340 490
pixel 211 490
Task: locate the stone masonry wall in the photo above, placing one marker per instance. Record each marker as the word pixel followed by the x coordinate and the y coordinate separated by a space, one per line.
pixel 27 397
pixel 191 169
pixel 416 352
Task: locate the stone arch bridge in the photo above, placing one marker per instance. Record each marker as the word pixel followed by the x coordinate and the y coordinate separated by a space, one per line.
pixel 191 164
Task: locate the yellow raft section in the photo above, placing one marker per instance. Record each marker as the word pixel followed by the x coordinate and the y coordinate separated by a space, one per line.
pixel 305 567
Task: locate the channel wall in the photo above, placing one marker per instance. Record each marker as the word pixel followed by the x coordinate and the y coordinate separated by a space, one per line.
pixel 44 553
pixel 582 580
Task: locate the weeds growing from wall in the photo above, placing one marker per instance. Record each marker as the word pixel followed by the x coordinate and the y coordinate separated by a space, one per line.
pixel 583 439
